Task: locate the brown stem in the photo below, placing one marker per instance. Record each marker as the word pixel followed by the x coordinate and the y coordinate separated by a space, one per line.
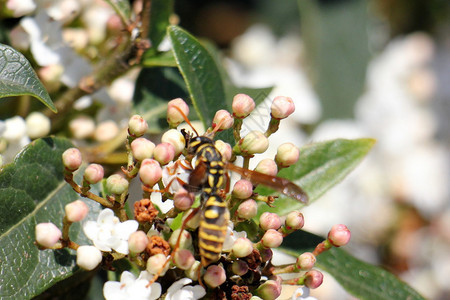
pixel 90 195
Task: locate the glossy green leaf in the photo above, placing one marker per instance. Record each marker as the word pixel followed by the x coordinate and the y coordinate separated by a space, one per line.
pixel 32 191
pixel 362 280
pixel 319 167
pixel 122 8
pixel 18 78
pixel 200 73
pixel 160 13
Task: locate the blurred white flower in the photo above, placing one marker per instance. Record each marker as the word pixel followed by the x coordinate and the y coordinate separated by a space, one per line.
pixel 131 287
pixel 302 293
pixel 180 290
pixel 21 7
pixel 108 233
pixel 38 125
pixel 231 237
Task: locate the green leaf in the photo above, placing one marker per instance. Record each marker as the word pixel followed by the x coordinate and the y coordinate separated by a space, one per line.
pixel 18 78
pixel 200 73
pixel 362 280
pixel 154 88
pixel 159 20
pixel 32 191
pixel 122 8
pixel 160 59
pixel 319 167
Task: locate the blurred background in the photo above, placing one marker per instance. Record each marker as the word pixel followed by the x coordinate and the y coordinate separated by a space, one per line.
pixel 355 68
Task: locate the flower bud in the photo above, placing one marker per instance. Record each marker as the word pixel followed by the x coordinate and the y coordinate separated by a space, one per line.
pixel 192 272
pixel 223 119
pixel 239 267
pixel 72 159
pixel 267 166
pixel 242 105
pixel 38 125
pixel 269 290
pixel 174 117
pixel 164 153
pixel 194 222
pixel 116 184
pixel 174 137
pixel 183 259
pixel 254 142
pixel 185 240
pixel 339 235
pixel 269 220
pixel 138 241
pixel 137 126
pixel 141 148
pixel 88 257
pixel 214 276
pixel 224 149
pixel 16 129
pixel 106 131
pixel 294 220
pixel 266 254
pixel 93 173
pixel 242 247
pixel 243 189
pixel 247 209
pixel 313 279
pixel 150 172
pixel 306 261
pixel 82 127
pixel 76 211
pixel 182 200
pixel 47 234
pixel 282 107
pixel 287 155
pixel 272 239
pixel 156 263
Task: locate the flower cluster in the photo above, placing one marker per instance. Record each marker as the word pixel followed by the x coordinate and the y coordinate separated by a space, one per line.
pixel 165 250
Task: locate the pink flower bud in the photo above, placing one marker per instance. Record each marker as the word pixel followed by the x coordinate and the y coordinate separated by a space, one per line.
pixel 150 172
pixel 82 127
pixel 243 189
pixel 306 261
pixel 287 155
pixel 272 239
pixel 137 126
pixel 294 220
pixel 88 257
pixel 47 234
pixel 72 159
pixel 138 241
pixel 182 200
pixel 313 279
pixel 214 276
pixel 106 131
pixel 239 267
pixel 339 235
pixel 223 119
pixel 267 166
pixel 141 148
pixel 185 240
pixel 174 117
pixel 174 137
pixel 155 264
pixel 242 105
pixel 116 184
pixel 76 211
pixel 247 209
pixel 164 153
pixel 224 149
pixel 269 290
pixel 254 142
pixel 183 259
pixel 282 107
pixel 242 247
pixel 269 220
pixel 93 173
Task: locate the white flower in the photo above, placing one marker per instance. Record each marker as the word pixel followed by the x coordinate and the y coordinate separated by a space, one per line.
pixel 21 7
pixel 179 290
pixel 302 293
pixel 131 288
pixel 109 233
pixel 231 237
pixel 176 172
